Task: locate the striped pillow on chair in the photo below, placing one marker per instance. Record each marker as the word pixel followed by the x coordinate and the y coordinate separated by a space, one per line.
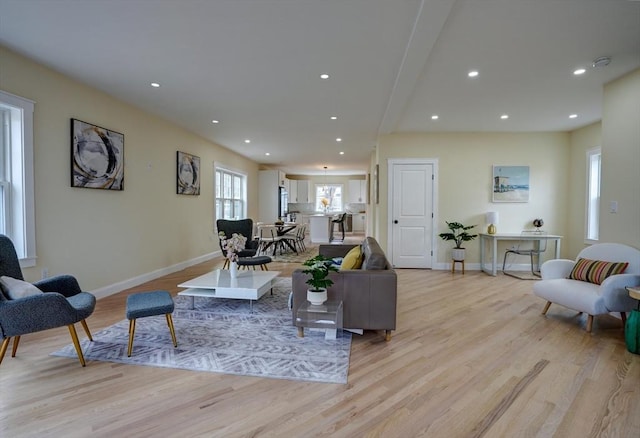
pixel 596 271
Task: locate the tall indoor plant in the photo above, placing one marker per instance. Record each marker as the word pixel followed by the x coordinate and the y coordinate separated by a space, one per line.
pixel 458 233
pixel 318 267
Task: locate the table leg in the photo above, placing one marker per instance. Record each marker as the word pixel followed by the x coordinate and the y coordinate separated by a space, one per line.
pixel 192 301
pixel 301 332
pixel 482 254
pixel 494 256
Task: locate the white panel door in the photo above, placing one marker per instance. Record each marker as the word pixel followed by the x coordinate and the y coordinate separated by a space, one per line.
pixel 412 215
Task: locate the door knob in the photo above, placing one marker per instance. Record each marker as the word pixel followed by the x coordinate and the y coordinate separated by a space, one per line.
pixel 395 222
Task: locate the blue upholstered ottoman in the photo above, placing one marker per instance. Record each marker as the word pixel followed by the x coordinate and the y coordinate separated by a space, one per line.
pixel 139 305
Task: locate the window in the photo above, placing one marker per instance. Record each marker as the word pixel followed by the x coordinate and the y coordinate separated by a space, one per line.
pixel 329 197
pixel 594 158
pixel 231 194
pixel 17 218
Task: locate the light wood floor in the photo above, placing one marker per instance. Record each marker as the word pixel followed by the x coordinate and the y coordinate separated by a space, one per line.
pixel 472 356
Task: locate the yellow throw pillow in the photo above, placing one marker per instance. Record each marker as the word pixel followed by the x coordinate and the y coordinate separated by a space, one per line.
pixel 353 259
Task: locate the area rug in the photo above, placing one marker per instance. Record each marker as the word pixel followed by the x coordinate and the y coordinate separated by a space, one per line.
pixel 224 336
pixel 292 257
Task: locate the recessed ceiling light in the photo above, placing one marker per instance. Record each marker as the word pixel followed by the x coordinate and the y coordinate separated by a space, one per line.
pixel 324 76
pixel 435 117
pixel 573 116
pixel 341 152
pixel 334 117
pixel 247 141
pixel 579 71
pixel 267 154
pixel 603 61
pixel 338 139
pixel 155 84
pixel 504 116
pixel 472 73
pixel 215 121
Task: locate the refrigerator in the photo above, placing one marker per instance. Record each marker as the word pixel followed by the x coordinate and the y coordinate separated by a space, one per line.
pixel 283 202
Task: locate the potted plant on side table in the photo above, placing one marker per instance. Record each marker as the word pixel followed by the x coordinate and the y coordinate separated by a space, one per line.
pixel 318 267
pixel 458 233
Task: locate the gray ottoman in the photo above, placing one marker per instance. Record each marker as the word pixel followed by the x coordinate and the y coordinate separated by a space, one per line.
pixel 139 305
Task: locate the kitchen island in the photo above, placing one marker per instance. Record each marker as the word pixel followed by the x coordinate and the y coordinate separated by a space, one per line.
pixel 320 228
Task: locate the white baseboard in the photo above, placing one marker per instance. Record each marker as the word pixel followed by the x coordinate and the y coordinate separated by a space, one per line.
pixel 135 281
pixel 476 267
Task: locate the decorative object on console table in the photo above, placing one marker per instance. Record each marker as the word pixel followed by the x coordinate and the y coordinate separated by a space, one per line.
pixel 188 174
pixel 97 157
pixel 492 218
pixel 510 183
pixel 538 223
pixel 318 267
pixel 458 233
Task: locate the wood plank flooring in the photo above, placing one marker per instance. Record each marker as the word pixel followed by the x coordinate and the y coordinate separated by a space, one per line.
pixel 472 357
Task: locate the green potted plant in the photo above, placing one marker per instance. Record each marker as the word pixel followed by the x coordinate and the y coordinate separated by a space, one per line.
pixel 458 233
pixel 318 267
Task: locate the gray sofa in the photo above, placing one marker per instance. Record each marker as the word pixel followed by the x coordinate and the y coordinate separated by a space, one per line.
pixel 369 295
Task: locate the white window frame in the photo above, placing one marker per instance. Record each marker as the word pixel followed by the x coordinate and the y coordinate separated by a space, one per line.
pixel 219 200
pixel 337 204
pixel 17 181
pixel 592 205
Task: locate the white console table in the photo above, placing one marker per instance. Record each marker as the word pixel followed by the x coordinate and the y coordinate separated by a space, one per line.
pixel 492 240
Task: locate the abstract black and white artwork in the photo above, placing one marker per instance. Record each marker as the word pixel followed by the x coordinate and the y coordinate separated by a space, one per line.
pixel 97 157
pixel 188 174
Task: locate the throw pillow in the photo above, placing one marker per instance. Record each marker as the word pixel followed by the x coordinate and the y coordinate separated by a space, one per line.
pixel 353 259
pixel 596 271
pixel 15 289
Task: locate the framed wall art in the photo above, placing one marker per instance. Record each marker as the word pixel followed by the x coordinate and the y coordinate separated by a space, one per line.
pixel 188 174
pixel 510 184
pixel 97 157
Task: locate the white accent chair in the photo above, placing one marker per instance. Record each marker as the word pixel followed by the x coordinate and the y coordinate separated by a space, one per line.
pixel 592 299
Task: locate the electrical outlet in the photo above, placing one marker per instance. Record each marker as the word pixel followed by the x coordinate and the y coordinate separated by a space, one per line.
pixel 45 273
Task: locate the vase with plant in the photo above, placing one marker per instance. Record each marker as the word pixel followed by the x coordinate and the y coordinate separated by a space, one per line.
pixel 231 247
pixel 318 267
pixel 458 233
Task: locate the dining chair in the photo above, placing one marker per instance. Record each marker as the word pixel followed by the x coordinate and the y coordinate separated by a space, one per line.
pixel 267 237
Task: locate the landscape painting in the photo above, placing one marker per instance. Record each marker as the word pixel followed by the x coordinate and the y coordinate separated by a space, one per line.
pixel 510 183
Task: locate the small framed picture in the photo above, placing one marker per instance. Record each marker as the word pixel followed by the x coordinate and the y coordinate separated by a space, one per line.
pixel 97 157
pixel 510 184
pixel 188 174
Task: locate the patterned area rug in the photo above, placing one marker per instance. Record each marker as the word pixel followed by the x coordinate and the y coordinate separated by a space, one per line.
pixel 292 257
pixel 222 336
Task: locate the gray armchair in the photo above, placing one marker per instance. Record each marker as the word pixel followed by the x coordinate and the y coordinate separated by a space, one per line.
pixel 243 227
pixel 62 303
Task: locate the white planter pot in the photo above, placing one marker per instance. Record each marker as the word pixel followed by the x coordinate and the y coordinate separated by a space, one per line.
pixel 317 297
pixel 457 254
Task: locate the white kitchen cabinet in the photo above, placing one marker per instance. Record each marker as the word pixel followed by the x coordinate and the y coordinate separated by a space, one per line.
pixel 293 191
pixel 358 222
pixel 287 185
pixel 357 191
pixel 281 178
pixel 303 194
pixel 268 182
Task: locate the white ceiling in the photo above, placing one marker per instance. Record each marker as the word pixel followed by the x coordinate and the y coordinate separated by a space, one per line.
pixel 255 64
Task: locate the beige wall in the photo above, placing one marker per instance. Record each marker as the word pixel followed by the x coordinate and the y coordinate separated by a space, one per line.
pixel 465 163
pixel 621 161
pixel 106 237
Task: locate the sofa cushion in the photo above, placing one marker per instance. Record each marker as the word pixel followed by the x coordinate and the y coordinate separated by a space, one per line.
pixel 596 271
pixel 374 258
pixel 16 289
pixel 353 259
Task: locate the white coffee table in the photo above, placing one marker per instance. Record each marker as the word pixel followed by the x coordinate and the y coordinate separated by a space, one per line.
pixel 249 285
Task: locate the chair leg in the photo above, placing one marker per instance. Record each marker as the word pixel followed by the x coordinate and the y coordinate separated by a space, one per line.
pixel 387 335
pixel 171 329
pixel 76 343
pixel 132 330
pixel 86 329
pixel 226 263
pixel 546 307
pixel 589 323
pixel 3 348
pixel 14 350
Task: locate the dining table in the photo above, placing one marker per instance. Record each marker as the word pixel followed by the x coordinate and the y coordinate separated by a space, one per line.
pixel 284 229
